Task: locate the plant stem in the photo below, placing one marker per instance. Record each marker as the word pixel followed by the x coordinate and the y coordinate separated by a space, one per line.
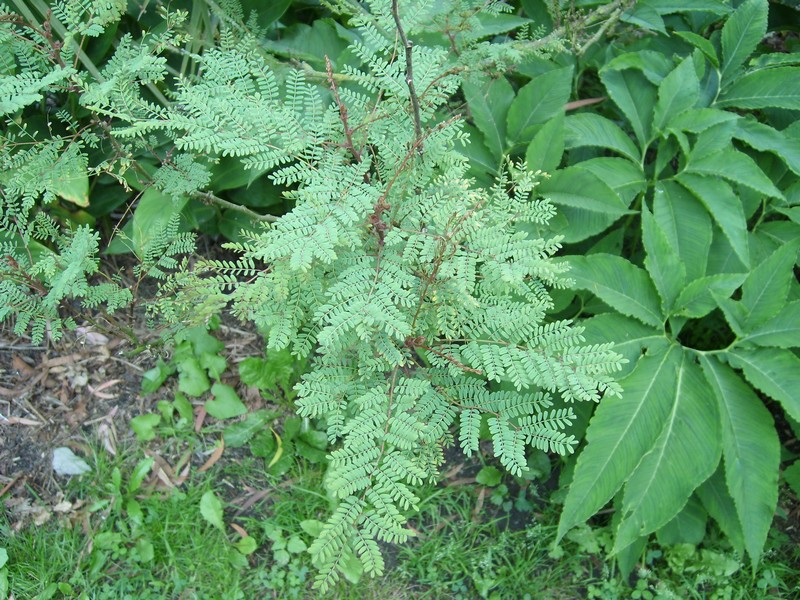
pixel 409 75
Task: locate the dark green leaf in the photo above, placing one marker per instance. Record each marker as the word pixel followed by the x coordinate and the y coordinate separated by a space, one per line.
pixel 547 147
pixel 662 261
pixel 685 454
pixel 678 92
pixel 645 16
pixel 765 138
pixel 620 174
pixel 593 130
pixel 620 433
pixel 620 284
pixel 581 189
pixel 770 88
pixel 687 527
pixel 488 101
pixel 724 207
pixel 719 504
pixel 653 65
pixel 700 119
pixel 631 338
pixel 781 331
pixel 734 166
pixel 685 223
pixel 765 291
pixel 742 32
pixel 774 371
pixel 752 453
pixel 698 298
pixel 635 97
pixel 701 43
pixel 541 99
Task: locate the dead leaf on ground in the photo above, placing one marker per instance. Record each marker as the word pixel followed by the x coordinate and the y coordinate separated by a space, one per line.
pixel 215 456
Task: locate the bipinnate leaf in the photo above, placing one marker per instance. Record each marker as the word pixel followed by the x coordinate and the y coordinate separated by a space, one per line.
pixel 678 92
pixel 662 262
pixel 620 284
pixel 751 449
pixel 488 101
pixel 767 88
pixel 547 147
pixel 684 455
pixel 742 32
pixel 592 130
pixel 725 208
pixel 622 430
pixel 634 96
pixel 686 223
pixel 774 371
pixel 536 102
pixel 781 331
pixel 766 288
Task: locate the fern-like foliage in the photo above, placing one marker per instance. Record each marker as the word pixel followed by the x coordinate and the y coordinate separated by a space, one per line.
pixel 419 297
pixel 413 291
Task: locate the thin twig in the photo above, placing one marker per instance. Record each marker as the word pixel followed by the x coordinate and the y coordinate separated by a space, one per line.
pixel 348 133
pixel 409 75
pixel 210 198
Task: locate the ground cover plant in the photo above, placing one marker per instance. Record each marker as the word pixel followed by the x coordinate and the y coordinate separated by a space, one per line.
pixel 395 179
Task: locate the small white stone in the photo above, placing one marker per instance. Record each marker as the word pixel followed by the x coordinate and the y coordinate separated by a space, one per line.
pixel 65 462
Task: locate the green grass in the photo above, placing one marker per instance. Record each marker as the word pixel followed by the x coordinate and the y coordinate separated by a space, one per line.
pixel 124 543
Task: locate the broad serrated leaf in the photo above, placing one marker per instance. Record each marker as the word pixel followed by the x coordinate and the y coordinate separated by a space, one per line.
pixel 742 32
pixel 774 371
pixel 620 284
pixel 653 65
pixel 536 102
pixel 718 502
pixel 662 261
pixel 699 297
pixel 752 453
pixel 620 174
pixel 684 455
pixel 581 189
pixel 668 7
pixel 686 224
pixel 725 208
pixel 678 92
pixel 765 291
pixel 687 527
pixel 767 139
pixel 697 120
pixel 701 43
pixel 621 431
pixel 592 130
pixel 736 167
pixel 547 147
pixel 488 101
pixel 644 16
pixel 781 331
pixel 635 97
pixel 768 88
pixel 632 339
